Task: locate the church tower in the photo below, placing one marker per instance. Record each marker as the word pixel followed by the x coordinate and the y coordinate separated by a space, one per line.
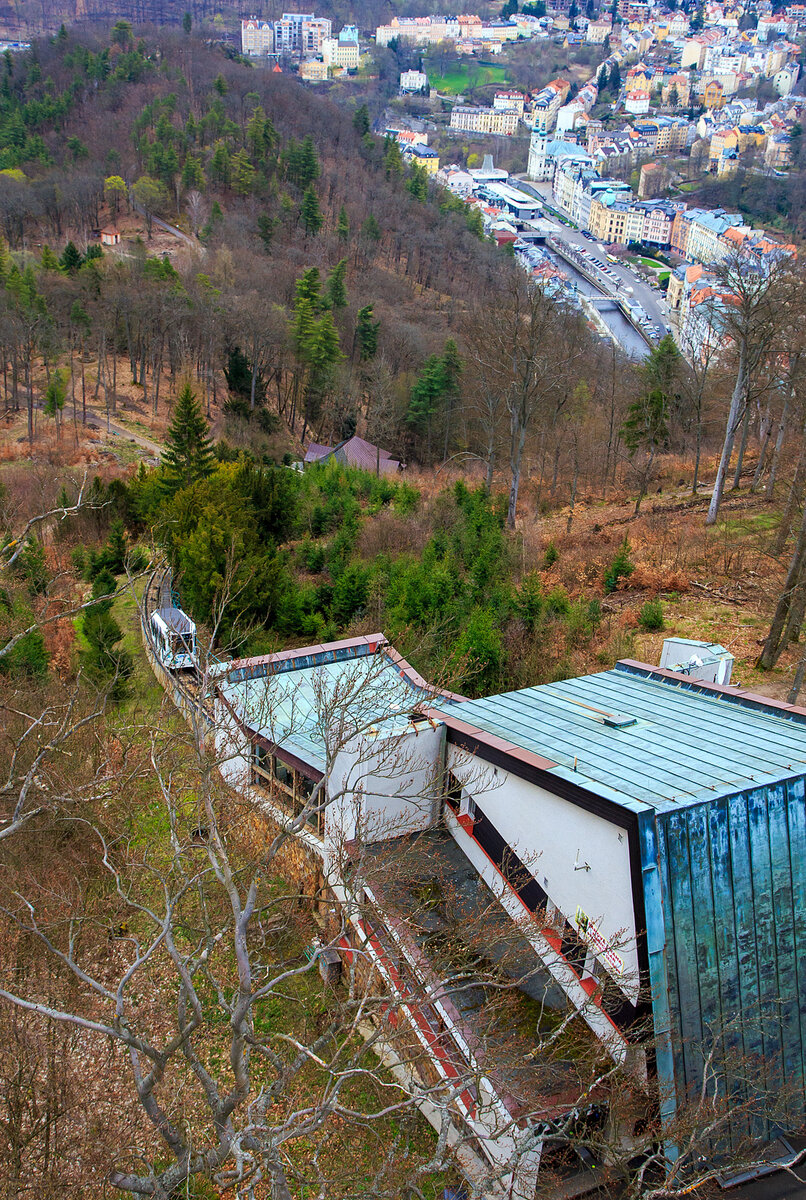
pixel 538 161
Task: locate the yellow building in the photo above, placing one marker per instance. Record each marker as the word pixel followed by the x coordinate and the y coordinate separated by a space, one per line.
pixel 681 83
pixel 340 54
pixel 616 222
pixel 313 70
pixel 484 120
pixel 713 95
pixel 422 156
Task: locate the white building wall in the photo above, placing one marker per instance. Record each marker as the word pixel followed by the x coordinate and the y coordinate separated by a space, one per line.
pixel 580 859
pixel 385 786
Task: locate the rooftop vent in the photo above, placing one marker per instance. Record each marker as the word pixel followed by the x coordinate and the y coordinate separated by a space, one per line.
pixel 619 720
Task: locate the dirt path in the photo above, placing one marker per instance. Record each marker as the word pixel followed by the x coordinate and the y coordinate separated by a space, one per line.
pixel 97 421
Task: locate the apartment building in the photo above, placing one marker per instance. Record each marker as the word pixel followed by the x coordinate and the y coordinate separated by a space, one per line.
pixel 658 220
pixel 429 30
pixel 257 37
pixel 547 103
pixel 300 34
pixel 509 102
pixel 339 53
pixel 598 31
pixel 484 120
pixel 663 134
pixel 678 85
pixel 616 220
pixel 421 156
pixel 313 70
pixel 636 101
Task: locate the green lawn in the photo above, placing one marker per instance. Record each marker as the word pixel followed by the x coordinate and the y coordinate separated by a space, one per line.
pixel 458 79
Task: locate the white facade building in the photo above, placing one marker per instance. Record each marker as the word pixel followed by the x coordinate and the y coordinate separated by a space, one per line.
pixel 413 81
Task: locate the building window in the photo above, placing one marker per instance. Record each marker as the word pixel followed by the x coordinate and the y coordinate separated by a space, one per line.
pixel 261 764
pixel 283 774
pixel 453 792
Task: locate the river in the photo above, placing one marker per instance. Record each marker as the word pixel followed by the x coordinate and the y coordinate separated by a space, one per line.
pixel 631 342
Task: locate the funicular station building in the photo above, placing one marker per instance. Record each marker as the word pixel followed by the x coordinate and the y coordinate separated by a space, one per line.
pixel 641 832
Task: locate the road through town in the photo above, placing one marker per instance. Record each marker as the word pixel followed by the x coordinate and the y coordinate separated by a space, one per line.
pixel 650 299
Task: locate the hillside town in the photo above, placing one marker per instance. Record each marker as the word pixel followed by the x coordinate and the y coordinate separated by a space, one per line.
pixel 403 602
pixel 676 98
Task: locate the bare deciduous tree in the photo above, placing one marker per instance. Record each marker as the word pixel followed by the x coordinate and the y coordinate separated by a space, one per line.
pixel 750 311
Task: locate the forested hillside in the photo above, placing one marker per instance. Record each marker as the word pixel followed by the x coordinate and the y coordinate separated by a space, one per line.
pixel 229 153
pixel 277 262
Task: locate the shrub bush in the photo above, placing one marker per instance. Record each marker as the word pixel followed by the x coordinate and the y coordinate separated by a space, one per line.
pixel 621 567
pixel 557 602
pixel 551 555
pixel 650 616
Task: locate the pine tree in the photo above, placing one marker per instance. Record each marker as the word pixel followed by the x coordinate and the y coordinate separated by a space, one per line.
pixel 193 175
pixel 101 660
pixel 308 286
pixel 366 333
pixel 310 213
pixel 371 229
pixel 343 226
pixel 49 261
pixel 243 173
pixel 325 350
pixel 437 387
pixel 71 258
pixel 55 396
pixel 425 395
pixel 238 373
pixel 663 365
pixel 188 454
pixel 417 183
pixel 646 429
pixel 308 162
pixel 113 555
pixel 299 162
pixel 361 120
pixel 392 158
pixel 303 329
pixel 256 133
pixel 475 223
pixel 335 288
pixel 220 166
pixel 265 227
pixel 321 352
